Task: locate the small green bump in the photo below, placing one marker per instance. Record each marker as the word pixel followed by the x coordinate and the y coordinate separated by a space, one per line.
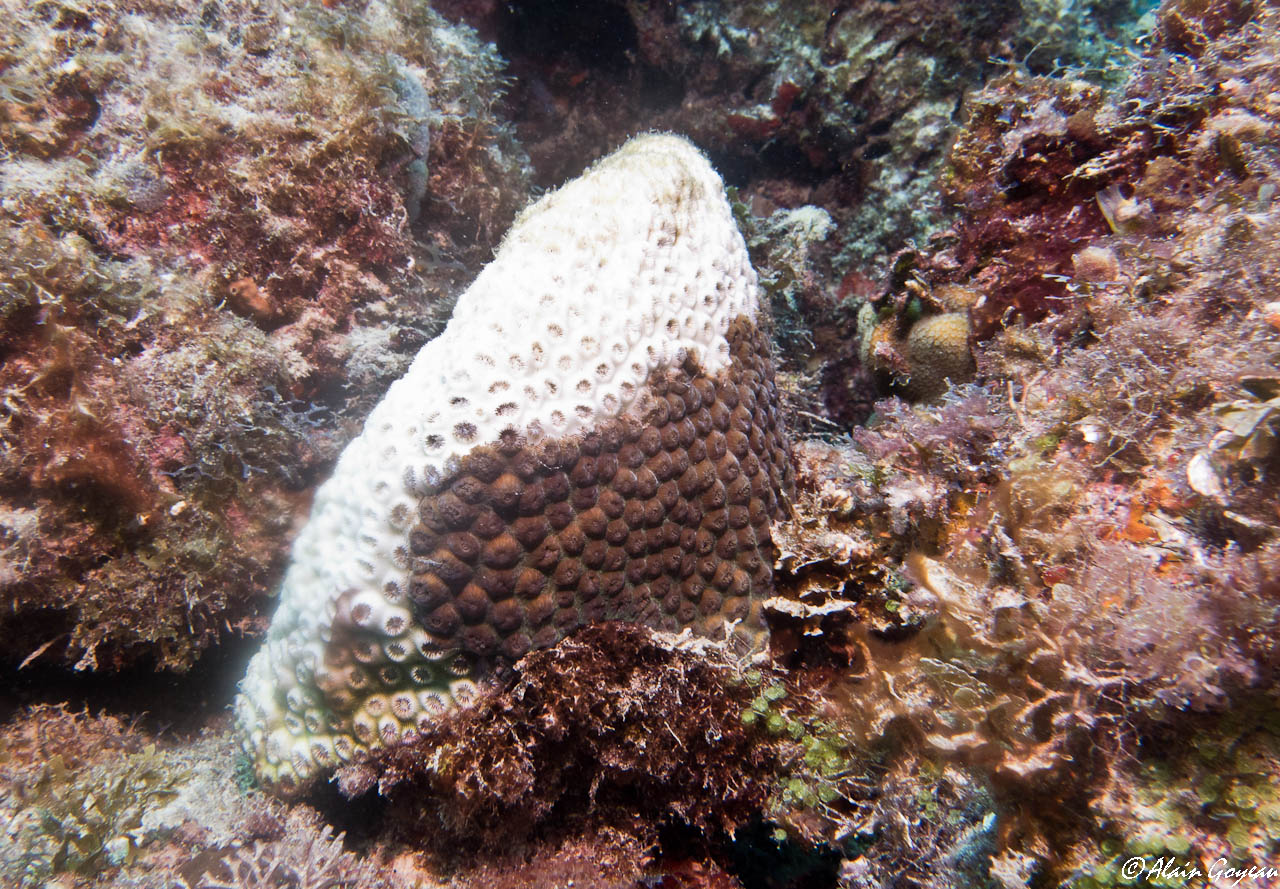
pixel 795 730
pixel 779 835
pixel 1270 816
pixel 1045 443
pixel 1171 818
pixel 753 677
pixel 775 692
pixel 759 704
pixel 776 723
pixel 1156 773
pixel 1206 748
pixel 914 309
pixel 1210 788
pixel 1148 844
pixel 1241 795
pixel 749 717
pixel 1240 837
pixel 242 774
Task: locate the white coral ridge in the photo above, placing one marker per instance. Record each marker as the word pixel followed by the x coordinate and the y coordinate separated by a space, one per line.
pixel 632 266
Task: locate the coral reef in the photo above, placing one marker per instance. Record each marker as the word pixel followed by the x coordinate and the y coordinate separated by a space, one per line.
pixel 850 106
pixel 608 449
pixel 207 271
pixel 1060 582
pixel 933 354
pixel 848 109
pixel 82 803
pixel 78 823
pixel 89 798
pixel 1090 39
pixel 1021 602
pixel 1209 799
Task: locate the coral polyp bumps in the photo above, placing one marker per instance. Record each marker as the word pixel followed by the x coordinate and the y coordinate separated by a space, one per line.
pixel 595 436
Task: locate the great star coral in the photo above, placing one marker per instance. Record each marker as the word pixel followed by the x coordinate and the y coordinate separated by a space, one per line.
pixel 593 437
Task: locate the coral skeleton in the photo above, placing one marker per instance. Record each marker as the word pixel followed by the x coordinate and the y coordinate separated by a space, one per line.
pixel 593 437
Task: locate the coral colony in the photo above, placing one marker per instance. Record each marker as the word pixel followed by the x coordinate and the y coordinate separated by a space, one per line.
pixel 723 445
pixel 593 437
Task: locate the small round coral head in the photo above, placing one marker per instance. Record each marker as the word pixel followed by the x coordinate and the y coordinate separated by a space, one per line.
pixel 1096 265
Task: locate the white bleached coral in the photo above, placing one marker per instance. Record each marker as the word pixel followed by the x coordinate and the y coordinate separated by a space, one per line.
pixel 635 266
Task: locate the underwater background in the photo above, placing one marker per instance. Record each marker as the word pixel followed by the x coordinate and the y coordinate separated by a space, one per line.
pixel 1021 264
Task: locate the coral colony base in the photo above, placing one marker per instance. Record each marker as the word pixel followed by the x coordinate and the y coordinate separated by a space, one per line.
pixel 594 436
